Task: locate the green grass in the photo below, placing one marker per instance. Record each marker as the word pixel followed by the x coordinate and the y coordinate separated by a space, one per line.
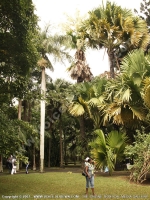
pixel 63 185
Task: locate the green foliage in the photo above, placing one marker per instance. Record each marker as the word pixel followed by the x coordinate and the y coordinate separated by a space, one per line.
pixel 140 152
pixel 18 48
pixel 59 121
pixel 13 133
pixel 53 45
pixel 107 149
pixel 136 65
pixel 146 91
pixel 123 96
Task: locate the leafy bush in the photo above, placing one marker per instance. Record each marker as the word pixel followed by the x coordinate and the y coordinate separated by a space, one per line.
pixel 140 152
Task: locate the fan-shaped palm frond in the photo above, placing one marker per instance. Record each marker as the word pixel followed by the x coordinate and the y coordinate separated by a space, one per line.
pixel 117 141
pixel 123 101
pixel 146 91
pixel 94 102
pixel 129 115
pixel 136 65
pixel 108 149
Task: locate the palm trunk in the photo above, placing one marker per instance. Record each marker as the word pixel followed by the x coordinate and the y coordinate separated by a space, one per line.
pixel 25 110
pixel 1 163
pixel 42 127
pixel 29 112
pixel 112 63
pixel 34 162
pixel 65 150
pixel 19 109
pixel 19 117
pixel 61 147
pixel 49 152
pixel 82 137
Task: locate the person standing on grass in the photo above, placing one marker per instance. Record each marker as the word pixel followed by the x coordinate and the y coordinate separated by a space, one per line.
pixel 14 165
pixel 27 165
pixel 9 163
pixel 89 169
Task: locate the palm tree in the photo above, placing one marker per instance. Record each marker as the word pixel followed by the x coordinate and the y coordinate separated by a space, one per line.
pixel 123 104
pixel 42 127
pixel 97 98
pixel 112 27
pixel 49 45
pixel 89 97
pixel 79 108
pixel 79 69
pixel 109 149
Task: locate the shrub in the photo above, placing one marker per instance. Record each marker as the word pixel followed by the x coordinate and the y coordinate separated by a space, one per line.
pixel 140 152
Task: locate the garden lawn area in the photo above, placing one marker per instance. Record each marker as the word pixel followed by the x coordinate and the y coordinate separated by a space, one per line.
pixel 67 185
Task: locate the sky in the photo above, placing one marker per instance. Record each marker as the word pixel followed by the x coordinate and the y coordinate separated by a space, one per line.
pixel 54 12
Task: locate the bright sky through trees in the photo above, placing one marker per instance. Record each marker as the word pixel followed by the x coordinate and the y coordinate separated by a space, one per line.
pixel 54 12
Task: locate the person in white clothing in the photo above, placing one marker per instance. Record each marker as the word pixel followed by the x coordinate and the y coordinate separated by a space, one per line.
pixel 89 170
pixel 13 171
pixel 86 161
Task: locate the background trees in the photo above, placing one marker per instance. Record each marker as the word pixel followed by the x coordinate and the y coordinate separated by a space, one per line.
pixel 119 104
pixel 18 55
pixel 18 29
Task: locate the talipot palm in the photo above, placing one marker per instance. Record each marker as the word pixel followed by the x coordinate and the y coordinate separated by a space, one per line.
pixel 124 103
pixel 79 70
pixel 111 27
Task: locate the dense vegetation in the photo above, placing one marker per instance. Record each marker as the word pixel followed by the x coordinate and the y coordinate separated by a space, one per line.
pixel 97 116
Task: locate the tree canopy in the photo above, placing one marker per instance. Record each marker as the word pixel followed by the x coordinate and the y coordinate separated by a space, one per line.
pixel 18 52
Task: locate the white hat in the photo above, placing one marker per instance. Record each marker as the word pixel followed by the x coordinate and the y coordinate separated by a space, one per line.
pixel 87 159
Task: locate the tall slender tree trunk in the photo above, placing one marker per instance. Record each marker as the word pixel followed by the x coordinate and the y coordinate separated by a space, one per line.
pixel 82 135
pixel 49 152
pixel 29 112
pixel 1 163
pixel 19 109
pixel 42 126
pixel 61 145
pixel 83 138
pixel 19 118
pixel 34 162
pixel 65 150
pixel 25 110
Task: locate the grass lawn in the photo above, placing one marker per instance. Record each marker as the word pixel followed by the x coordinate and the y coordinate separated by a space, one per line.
pixel 67 185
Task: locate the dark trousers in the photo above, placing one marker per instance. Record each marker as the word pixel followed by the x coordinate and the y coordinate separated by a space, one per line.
pixel 9 165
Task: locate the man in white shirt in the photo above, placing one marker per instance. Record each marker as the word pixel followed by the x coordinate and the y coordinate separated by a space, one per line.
pixel 13 171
